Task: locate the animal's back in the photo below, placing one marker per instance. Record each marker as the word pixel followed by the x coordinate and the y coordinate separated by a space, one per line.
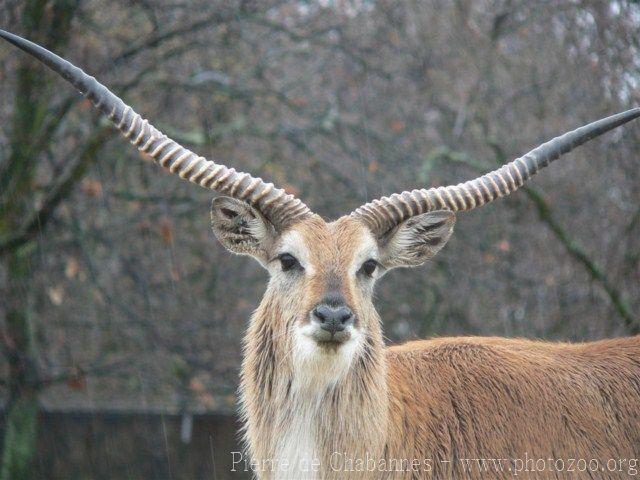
pixel 455 399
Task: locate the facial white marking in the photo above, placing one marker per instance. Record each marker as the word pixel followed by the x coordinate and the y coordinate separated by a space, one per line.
pixel 368 250
pixel 320 367
pixel 293 243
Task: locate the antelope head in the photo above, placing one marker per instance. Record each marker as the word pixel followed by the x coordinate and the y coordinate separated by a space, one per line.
pixel 322 274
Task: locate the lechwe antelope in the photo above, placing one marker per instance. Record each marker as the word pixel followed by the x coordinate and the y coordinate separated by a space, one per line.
pixel 321 395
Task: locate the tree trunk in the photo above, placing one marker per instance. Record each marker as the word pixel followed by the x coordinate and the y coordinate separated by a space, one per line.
pixel 48 23
pixel 22 407
pixel 20 435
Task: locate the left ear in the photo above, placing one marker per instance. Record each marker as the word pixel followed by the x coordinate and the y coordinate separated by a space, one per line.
pixel 417 239
pixel 241 228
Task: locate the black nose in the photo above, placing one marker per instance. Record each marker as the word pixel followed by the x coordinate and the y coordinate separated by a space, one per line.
pixel 333 319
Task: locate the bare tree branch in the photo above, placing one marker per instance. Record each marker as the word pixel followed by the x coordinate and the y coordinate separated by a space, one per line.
pixel 545 214
pixel 57 192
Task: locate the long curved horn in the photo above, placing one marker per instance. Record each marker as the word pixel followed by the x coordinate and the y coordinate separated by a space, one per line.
pixel 281 208
pixel 385 213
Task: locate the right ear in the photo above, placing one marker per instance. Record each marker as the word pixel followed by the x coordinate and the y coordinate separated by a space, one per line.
pixel 242 229
pixel 417 239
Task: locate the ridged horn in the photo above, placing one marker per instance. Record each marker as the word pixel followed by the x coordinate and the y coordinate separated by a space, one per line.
pixel 281 208
pixel 387 212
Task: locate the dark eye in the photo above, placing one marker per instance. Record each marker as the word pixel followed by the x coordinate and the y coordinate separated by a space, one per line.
pixel 288 261
pixel 369 267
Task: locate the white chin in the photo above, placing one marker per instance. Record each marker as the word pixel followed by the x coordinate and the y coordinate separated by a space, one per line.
pixel 321 363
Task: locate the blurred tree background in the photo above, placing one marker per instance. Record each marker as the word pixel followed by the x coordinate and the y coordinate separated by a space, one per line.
pixel 115 295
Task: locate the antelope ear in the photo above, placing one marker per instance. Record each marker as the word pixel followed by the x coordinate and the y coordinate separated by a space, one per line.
pixel 242 229
pixel 417 239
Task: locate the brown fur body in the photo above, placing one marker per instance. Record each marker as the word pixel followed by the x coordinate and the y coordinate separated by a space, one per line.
pixel 497 398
